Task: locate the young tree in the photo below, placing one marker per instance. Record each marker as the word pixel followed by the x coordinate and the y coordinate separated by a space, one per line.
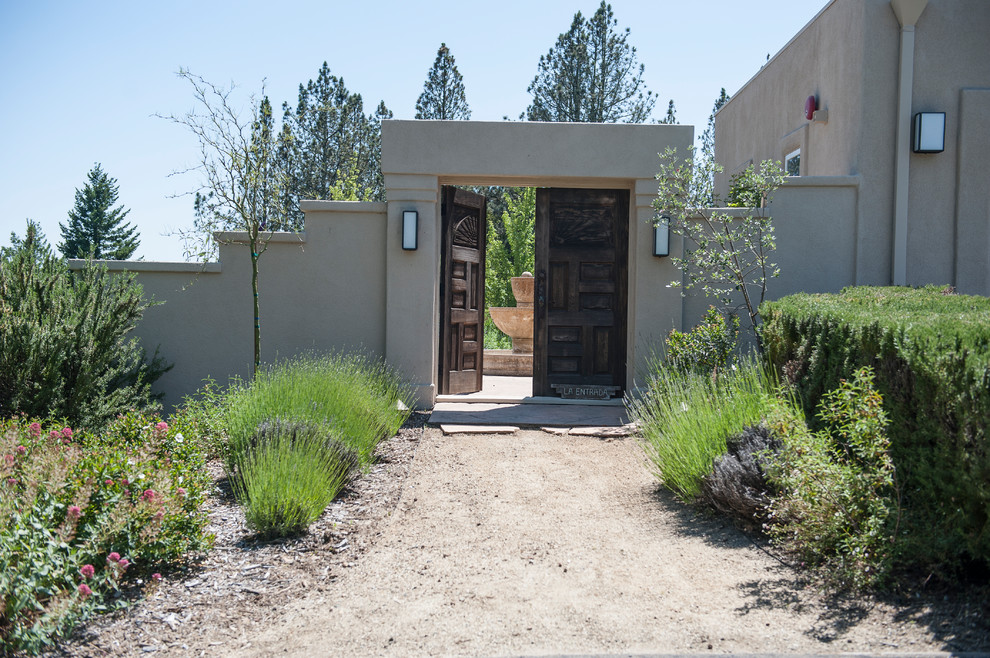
pixel 591 75
pixel 443 92
pixel 242 186
pixel 726 255
pixel 96 229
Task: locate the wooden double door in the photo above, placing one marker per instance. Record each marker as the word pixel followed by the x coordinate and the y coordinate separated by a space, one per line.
pixel 580 298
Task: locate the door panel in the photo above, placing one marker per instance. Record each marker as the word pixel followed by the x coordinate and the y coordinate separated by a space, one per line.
pixel 462 291
pixel 581 252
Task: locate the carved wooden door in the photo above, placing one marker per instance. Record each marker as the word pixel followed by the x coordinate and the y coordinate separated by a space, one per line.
pixel 581 276
pixel 462 291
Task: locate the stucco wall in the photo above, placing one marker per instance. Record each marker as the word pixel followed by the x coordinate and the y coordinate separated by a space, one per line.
pixel 849 56
pixel 319 290
pixel 815 224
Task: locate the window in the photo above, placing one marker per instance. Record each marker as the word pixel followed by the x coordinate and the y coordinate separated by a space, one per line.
pixel 792 163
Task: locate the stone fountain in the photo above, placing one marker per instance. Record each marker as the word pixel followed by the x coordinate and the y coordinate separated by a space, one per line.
pixel 516 322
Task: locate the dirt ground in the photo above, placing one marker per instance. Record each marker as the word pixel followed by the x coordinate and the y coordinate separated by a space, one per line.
pixel 530 543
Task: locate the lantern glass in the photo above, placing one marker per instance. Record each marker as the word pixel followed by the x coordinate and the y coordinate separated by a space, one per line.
pixel 410 230
pixel 928 132
pixel 661 239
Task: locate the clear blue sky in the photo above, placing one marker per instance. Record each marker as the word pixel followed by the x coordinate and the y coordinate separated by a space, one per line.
pixel 81 81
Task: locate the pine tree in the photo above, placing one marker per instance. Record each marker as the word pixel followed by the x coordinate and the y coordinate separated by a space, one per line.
pixel 707 154
pixel 95 228
pixel 591 75
pixel 326 138
pixel 671 118
pixel 443 92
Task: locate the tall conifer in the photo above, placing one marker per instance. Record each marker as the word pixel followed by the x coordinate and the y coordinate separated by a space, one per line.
pixel 443 92
pixel 95 228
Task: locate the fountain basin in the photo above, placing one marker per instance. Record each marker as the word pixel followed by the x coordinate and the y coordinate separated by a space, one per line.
pixel 517 323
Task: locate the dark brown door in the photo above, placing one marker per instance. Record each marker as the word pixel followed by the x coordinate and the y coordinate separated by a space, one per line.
pixel 462 291
pixel 581 274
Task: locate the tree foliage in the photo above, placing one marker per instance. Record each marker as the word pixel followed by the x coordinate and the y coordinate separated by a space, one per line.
pixel 95 227
pixel 591 75
pixel 726 255
pixel 328 144
pixel 443 92
pixel 64 349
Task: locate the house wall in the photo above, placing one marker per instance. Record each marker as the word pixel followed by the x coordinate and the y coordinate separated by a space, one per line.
pixel 849 55
pixel 319 290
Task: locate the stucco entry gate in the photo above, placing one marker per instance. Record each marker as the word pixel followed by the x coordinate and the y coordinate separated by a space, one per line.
pixel 600 337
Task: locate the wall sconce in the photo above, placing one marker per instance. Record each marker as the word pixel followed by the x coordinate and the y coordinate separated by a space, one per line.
pixel 661 238
pixel 928 132
pixel 410 230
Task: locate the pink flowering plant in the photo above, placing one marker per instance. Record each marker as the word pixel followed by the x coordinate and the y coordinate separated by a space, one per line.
pixel 73 534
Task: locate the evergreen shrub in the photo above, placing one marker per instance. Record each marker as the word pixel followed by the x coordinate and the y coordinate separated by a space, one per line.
pixel 64 346
pixel 930 351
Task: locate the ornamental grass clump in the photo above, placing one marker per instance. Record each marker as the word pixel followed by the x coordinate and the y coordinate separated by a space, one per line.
pixel 687 417
pixel 353 397
pixel 287 475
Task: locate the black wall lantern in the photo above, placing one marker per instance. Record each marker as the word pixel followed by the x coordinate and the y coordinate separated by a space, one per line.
pixel 928 132
pixel 410 230
pixel 661 237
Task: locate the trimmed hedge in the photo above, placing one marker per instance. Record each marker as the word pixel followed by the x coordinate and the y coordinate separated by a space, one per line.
pixel 930 350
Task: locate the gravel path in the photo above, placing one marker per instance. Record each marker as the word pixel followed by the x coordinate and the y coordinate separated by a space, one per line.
pixel 539 544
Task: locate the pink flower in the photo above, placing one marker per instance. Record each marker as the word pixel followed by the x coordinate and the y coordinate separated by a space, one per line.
pixel 159 515
pixel 87 571
pixel 156 576
pixel 181 492
pixel 162 426
pixel 123 563
pixel 113 557
pixel 11 481
pixel 148 495
pixel 35 429
pixel 74 512
pixel 67 432
pixel 9 459
pixel 21 450
pixel 125 482
pixel 108 482
pixel 84 590
pixel 55 434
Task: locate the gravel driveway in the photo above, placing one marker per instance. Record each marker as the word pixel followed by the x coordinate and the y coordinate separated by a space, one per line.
pixel 534 544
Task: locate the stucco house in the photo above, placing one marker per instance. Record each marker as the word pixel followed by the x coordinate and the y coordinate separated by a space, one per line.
pixel 892 99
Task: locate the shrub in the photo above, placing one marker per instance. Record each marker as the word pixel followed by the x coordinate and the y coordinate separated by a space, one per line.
pixel 64 351
pixel 287 475
pixel 931 355
pixel 83 514
pixel 737 485
pixel 349 396
pixel 836 493
pixel 708 348
pixel 686 419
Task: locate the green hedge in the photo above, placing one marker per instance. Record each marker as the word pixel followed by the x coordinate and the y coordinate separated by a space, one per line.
pixel 931 354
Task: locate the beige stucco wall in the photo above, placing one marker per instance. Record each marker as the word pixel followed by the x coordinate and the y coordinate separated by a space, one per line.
pixel 849 56
pixel 420 156
pixel 319 290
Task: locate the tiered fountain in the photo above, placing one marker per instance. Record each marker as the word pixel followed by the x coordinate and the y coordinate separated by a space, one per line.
pixel 517 323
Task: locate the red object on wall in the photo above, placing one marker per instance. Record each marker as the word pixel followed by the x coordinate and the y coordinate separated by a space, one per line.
pixel 810 106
